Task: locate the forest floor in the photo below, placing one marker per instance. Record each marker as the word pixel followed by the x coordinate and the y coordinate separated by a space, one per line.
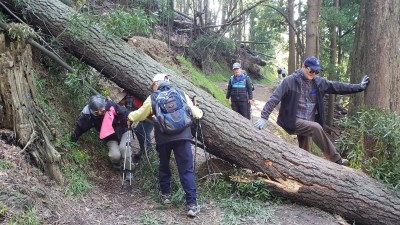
pixel 108 202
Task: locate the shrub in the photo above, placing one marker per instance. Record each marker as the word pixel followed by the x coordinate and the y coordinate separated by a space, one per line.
pixel 372 142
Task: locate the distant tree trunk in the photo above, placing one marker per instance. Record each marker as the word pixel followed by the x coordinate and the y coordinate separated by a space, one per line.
pixel 292 38
pixel 332 75
pixel 292 172
pixel 312 27
pixel 377 54
pixel 22 112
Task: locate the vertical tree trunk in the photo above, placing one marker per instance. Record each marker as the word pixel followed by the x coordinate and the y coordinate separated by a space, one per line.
pixel 292 38
pixel 377 54
pixel 332 75
pixel 312 27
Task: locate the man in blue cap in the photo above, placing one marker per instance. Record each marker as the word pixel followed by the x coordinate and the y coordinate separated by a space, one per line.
pixel 302 109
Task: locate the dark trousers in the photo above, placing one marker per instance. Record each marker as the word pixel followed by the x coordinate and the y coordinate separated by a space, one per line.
pixel 242 107
pixel 143 134
pixel 308 131
pixel 184 161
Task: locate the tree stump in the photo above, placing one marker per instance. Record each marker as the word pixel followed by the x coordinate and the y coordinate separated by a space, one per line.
pixel 20 110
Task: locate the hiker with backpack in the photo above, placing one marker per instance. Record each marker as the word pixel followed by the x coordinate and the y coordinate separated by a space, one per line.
pixel 240 91
pixel 173 112
pixel 302 110
pixel 108 118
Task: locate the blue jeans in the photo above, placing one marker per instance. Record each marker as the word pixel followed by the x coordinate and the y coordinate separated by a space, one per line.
pixel 143 133
pixel 184 161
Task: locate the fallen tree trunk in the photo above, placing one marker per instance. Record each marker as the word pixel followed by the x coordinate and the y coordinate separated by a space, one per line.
pixel 294 173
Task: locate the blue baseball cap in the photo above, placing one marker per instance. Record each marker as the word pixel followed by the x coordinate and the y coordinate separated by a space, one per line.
pixel 313 63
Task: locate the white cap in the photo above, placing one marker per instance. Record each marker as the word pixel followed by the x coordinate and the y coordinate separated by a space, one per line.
pixel 236 66
pixel 160 77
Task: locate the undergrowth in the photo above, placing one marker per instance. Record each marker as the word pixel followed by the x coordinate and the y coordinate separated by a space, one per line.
pixel 239 201
pixel 371 140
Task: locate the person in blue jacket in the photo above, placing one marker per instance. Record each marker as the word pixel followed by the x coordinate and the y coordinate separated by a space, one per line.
pixel 240 91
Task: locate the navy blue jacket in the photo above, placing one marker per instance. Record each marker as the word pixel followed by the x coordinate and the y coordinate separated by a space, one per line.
pixel 240 88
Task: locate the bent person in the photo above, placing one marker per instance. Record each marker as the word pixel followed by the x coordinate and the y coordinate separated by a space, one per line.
pixel 109 119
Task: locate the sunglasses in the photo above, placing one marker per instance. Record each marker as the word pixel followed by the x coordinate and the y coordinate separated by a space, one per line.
pixel 313 71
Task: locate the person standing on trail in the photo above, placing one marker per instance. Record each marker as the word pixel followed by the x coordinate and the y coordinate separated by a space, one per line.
pixel 302 110
pixel 284 72
pixel 109 119
pixel 178 142
pixel 240 91
pixel 143 129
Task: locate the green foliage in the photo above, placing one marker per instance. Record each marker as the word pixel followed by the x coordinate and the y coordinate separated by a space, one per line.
pixel 256 189
pixel 20 31
pixel 149 218
pixel 125 23
pixel 28 217
pixel 3 211
pixel 77 180
pixel 5 164
pixel 372 140
pixel 118 22
pixel 201 81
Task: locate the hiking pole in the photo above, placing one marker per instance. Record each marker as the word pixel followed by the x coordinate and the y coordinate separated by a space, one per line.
pixel 204 145
pixel 195 136
pixel 127 148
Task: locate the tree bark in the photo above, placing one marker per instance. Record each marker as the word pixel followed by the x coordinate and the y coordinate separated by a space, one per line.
pixel 312 27
pixel 378 55
pixel 294 173
pixel 22 112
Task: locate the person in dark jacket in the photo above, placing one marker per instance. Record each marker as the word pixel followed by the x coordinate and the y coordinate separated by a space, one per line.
pixel 301 112
pixel 240 91
pixel 113 130
pixel 179 143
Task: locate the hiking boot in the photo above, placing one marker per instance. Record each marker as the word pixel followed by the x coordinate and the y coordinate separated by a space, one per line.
pixel 166 198
pixel 343 162
pixel 193 210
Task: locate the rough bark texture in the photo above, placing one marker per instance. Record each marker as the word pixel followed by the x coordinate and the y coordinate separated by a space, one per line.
pixel 377 54
pixel 293 173
pixel 20 109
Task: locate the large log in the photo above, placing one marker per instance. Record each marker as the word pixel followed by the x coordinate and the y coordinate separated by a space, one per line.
pixel 294 173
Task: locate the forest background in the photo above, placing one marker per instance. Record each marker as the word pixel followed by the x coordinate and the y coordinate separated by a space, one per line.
pixel 334 31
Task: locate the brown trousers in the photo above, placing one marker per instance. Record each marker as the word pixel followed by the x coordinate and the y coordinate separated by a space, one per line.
pixel 308 131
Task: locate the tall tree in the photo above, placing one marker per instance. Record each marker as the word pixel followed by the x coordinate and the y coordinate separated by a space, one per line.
pixel 292 38
pixel 377 54
pixel 312 44
pixel 333 61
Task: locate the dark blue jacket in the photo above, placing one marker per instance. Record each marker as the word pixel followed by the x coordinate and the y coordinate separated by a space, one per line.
pixel 288 93
pixel 240 88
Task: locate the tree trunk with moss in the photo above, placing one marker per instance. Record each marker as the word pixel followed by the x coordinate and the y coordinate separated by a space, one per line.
pixel 20 110
pixel 292 172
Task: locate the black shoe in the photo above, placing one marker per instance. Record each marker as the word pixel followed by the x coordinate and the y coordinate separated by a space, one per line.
pixel 343 162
